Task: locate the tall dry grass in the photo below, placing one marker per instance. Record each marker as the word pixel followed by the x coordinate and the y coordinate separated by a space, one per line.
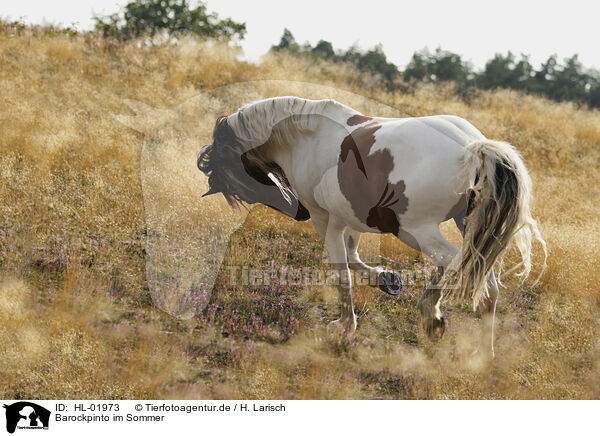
pixel 76 315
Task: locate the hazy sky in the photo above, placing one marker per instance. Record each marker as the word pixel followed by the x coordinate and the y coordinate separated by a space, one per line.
pixel 474 29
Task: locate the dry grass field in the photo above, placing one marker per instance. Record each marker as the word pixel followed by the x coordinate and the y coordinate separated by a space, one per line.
pixel 76 314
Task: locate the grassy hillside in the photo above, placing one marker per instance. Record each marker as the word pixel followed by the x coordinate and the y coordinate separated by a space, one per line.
pixel 76 316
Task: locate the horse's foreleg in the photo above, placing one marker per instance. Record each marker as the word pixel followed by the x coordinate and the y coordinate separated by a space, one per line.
pixel 388 281
pixel 336 246
pixel 352 238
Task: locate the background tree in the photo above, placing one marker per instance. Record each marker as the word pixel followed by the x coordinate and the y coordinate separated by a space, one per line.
pixel 287 42
pixel 571 82
pixel 543 78
pixel 447 66
pixel 375 62
pixel 175 17
pixel 324 49
pixel 418 67
pixel 594 89
pixel 441 66
pixel 503 72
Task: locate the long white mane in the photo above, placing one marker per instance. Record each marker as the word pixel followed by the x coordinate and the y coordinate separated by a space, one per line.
pixel 253 123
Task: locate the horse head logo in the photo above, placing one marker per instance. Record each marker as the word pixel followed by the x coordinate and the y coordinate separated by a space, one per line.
pixel 27 415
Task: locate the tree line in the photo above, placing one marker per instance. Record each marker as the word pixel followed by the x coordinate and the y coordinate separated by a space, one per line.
pixel 568 81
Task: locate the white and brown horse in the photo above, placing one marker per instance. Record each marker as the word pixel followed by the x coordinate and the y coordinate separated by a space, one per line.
pixel 352 173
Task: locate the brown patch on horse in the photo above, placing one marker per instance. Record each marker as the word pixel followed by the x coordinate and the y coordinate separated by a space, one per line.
pixel 357 119
pixel 364 181
pixel 360 138
pixel 382 215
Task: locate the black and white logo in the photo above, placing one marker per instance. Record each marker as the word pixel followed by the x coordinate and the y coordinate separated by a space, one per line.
pixel 26 415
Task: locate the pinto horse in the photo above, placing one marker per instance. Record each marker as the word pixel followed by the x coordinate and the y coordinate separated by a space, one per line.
pixel 351 173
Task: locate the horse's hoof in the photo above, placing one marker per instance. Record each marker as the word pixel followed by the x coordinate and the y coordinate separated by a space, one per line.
pixel 389 282
pixel 435 328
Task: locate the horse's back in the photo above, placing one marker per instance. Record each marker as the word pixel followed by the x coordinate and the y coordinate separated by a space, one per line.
pixel 435 130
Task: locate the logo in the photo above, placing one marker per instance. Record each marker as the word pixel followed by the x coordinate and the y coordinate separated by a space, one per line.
pixel 26 415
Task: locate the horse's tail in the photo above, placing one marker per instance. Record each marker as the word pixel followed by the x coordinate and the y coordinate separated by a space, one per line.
pixel 498 216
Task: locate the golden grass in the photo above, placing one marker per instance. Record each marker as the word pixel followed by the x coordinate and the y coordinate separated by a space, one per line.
pixel 76 314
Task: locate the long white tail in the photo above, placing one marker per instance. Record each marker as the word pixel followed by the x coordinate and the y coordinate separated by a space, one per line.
pixel 498 216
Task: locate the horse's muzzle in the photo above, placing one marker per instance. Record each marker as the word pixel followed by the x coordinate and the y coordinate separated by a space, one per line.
pixel 303 214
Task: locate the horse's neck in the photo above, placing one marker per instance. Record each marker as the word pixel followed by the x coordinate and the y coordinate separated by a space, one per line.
pixel 289 130
pixel 305 155
pixel 254 124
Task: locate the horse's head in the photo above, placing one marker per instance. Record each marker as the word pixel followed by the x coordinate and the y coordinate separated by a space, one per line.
pixel 243 175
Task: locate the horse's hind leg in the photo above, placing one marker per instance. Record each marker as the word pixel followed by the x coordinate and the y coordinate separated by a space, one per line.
pixel 487 308
pixel 429 240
